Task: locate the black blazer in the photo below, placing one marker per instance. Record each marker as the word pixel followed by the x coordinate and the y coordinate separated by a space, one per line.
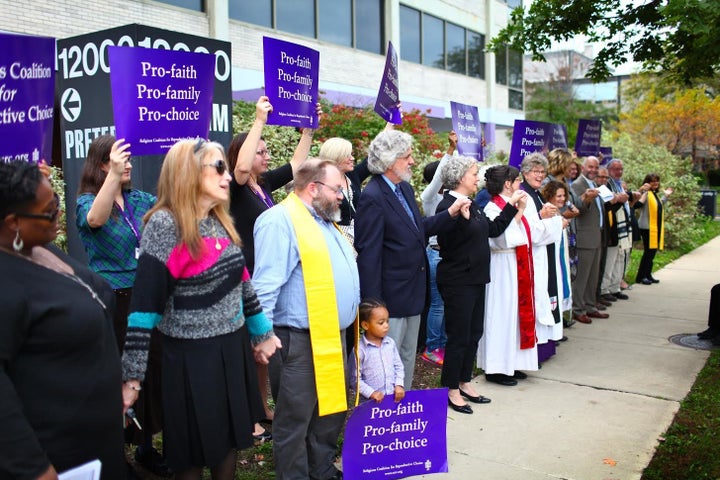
pixel 464 249
pixel 391 249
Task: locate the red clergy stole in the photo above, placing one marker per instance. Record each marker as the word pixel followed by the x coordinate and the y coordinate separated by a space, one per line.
pixel 526 287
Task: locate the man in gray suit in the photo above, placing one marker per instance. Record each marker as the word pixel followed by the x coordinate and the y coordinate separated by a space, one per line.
pixel 589 226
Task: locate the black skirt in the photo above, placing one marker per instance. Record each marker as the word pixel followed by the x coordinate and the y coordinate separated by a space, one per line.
pixel 210 398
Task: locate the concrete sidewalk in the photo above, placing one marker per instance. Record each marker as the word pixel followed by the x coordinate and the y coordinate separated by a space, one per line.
pixel 597 408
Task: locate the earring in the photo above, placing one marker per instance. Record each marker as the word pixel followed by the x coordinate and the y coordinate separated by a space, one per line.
pixel 18 243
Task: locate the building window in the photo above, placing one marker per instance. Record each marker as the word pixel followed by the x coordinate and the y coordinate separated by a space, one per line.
pixel 409 34
pixel 509 71
pixel 196 5
pixel 513 3
pixel 434 42
pixel 353 23
pixel 476 55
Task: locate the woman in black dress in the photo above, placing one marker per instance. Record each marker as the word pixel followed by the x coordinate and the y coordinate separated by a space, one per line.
pixel 60 396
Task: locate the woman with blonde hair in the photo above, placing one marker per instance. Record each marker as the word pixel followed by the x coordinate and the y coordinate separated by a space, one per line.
pixel 339 151
pixel 193 285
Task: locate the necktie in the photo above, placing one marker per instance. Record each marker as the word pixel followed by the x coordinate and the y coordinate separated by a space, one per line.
pixel 403 202
pixel 598 202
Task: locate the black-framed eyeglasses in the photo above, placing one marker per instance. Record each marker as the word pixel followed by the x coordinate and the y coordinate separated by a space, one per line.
pixel 337 190
pixel 220 166
pixel 50 216
pixel 199 145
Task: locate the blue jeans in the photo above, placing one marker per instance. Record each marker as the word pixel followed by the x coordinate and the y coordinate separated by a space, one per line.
pixel 436 337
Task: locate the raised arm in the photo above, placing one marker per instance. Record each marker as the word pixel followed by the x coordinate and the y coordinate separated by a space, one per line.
pixel 102 205
pixel 246 155
pixel 303 147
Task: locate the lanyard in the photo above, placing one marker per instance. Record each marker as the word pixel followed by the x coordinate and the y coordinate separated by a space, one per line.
pixel 129 217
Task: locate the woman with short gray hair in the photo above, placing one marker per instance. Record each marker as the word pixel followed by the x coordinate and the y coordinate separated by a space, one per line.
pixel 462 274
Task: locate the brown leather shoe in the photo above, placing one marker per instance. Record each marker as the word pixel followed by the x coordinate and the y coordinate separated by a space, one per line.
pixel 598 315
pixel 582 318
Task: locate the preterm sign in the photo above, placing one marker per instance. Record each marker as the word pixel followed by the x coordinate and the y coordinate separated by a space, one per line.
pixel 397 440
pixel 160 96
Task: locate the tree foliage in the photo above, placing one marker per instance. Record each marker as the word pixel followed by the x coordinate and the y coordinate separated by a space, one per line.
pixel 686 122
pixel 680 37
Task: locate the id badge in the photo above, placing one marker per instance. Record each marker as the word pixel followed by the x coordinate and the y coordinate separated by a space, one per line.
pixel 137 253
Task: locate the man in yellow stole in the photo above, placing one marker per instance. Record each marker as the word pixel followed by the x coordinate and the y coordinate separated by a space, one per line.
pixel 307 283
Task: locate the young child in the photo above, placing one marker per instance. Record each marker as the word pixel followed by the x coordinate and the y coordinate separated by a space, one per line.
pixel 381 370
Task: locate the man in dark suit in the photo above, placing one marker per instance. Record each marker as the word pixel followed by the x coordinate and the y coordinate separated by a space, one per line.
pixel 390 238
pixel 589 226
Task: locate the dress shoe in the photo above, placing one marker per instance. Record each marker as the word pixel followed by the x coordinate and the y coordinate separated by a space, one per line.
pixel 598 315
pixel 563 339
pixel 608 297
pixel 460 408
pixel 708 334
pixel 582 318
pixel 518 375
pixel 653 279
pixel 263 437
pixel 150 459
pixel 600 306
pixel 645 281
pixel 620 296
pixel 500 379
pixel 476 399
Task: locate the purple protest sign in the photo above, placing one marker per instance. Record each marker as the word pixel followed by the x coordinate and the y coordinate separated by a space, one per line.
pixel 530 136
pixel 388 97
pixel 160 96
pixel 607 155
pixel 466 123
pixel 587 141
pixel 291 83
pixel 27 90
pixel 397 440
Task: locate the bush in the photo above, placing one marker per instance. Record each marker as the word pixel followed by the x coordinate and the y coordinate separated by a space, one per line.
pixel 682 219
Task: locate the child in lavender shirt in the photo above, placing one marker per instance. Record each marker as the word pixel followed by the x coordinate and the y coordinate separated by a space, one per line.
pixel 381 370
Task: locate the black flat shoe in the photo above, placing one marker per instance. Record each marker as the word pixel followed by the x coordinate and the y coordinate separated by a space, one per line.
pixel 518 375
pixel 262 437
pixel 500 379
pixel 150 459
pixel 653 280
pixel 708 334
pixel 645 281
pixel 478 399
pixel 460 408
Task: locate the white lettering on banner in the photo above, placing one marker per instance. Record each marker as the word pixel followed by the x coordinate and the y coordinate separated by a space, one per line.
pixel 78 141
pixel 219 118
pixel 77 62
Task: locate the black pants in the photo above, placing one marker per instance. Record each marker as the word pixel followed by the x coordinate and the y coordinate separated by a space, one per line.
pixel 714 312
pixel 648 256
pixel 464 317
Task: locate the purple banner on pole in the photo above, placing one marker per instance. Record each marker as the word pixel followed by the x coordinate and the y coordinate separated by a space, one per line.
pixel 291 83
pixel 587 141
pixel 160 96
pixel 27 90
pixel 388 97
pixel 530 136
pixel 607 155
pixel 466 123
pixel 397 440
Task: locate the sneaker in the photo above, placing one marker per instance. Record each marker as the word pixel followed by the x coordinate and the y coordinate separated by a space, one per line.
pixel 436 356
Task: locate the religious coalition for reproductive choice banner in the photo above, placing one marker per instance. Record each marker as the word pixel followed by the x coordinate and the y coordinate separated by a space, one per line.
pixel 291 83
pixel 386 104
pixel 397 440
pixel 466 123
pixel 160 96
pixel 530 136
pixel 27 89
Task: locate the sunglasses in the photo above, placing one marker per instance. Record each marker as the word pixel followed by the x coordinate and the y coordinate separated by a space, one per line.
pixel 50 216
pixel 220 166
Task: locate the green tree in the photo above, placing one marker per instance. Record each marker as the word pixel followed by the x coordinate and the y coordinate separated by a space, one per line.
pixel 680 37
